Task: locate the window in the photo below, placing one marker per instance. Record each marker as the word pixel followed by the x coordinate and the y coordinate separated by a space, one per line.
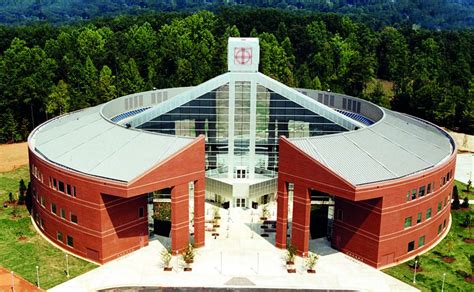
pixel 74 191
pixel 70 241
pixel 444 180
pixel 447 176
pixel 421 192
pixel 428 213
pixel 428 189
pixel 440 228
pixel 68 189
pixel 339 214
pixel 42 223
pixel 73 218
pixel 54 184
pixel 61 186
pixel 421 241
pixel 53 208
pixel 42 201
pixel 444 223
pixel 407 222
pixel 59 236
pixel 440 205
pixel 413 194
pixel 141 212
pixel 418 219
pixel 445 201
pixel 411 246
pixel 408 196
pixel 63 213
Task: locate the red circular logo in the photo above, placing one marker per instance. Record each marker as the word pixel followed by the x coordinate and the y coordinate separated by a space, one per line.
pixel 243 56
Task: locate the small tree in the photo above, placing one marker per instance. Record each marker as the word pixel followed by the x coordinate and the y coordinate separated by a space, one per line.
pixel 465 203
pixel 290 253
pixel 469 185
pixel 467 221
pixel 22 192
pixel 449 244
pixel 265 212
pixel 166 258
pixel 456 203
pixel 311 261
pixel 217 214
pixel 10 197
pixel 188 254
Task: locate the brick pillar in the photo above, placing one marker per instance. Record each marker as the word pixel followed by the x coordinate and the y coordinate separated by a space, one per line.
pixel 282 214
pixel 199 198
pixel 179 217
pixel 301 218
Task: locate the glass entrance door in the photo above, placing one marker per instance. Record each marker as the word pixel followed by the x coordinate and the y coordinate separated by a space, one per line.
pixel 240 202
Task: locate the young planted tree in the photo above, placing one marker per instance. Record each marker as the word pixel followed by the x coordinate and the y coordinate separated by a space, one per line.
pixel 468 186
pixel 456 203
pixel 10 197
pixel 22 192
pixel 188 257
pixel 290 257
pixel 311 262
pixel 166 259
pixel 465 203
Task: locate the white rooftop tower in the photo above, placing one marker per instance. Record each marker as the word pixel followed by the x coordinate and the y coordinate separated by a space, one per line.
pixel 243 55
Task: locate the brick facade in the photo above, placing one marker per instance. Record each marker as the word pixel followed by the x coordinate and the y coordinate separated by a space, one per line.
pixel 369 220
pixel 111 216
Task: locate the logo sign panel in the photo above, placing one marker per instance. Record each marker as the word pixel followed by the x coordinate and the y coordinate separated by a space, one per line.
pixel 243 56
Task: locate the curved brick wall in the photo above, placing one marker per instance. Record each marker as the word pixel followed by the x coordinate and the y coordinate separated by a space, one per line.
pixel 369 220
pixel 103 217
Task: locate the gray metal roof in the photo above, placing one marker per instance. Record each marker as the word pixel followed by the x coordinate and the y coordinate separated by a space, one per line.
pixel 86 142
pixel 394 147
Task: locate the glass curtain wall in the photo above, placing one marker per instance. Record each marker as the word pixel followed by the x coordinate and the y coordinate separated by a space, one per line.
pixel 275 115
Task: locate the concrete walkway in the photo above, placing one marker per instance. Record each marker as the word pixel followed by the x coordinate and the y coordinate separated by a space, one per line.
pixel 239 257
pixel 464 167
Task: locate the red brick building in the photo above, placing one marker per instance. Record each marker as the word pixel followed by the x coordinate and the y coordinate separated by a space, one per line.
pixel 375 182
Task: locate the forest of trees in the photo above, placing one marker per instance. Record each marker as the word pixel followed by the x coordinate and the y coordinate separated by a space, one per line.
pixel 434 14
pixel 49 70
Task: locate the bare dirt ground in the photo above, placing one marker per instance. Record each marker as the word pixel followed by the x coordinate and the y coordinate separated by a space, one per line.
pixel 18 283
pixel 465 142
pixel 13 156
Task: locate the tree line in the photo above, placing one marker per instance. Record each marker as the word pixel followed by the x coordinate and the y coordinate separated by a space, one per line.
pixel 49 70
pixel 434 14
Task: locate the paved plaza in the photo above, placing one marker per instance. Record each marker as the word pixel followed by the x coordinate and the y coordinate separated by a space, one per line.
pixel 464 167
pixel 239 257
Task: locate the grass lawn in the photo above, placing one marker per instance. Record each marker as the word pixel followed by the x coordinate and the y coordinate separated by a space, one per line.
pixel 430 279
pixel 22 256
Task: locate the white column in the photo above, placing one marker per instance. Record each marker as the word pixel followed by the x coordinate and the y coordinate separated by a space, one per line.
pixel 253 131
pixel 230 158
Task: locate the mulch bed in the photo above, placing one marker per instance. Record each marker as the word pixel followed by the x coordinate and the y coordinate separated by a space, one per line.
pixel 468 240
pixel 448 260
pixel 22 238
pixel 469 279
pixel 418 269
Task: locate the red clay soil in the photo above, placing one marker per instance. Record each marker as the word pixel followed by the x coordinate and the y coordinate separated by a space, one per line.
pixel 448 259
pixel 469 279
pixel 21 285
pixel 468 240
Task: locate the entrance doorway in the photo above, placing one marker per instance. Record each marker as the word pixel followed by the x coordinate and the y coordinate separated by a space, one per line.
pixel 322 215
pixel 240 202
pixel 241 172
